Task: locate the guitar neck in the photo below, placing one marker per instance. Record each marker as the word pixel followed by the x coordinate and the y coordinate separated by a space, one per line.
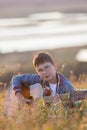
pixel 50 99
pixel 78 95
pixel 74 96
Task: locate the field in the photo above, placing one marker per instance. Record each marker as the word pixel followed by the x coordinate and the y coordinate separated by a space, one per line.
pixel 39 116
pixel 42 117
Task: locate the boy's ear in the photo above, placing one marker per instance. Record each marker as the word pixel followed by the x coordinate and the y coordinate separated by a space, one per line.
pixel 55 66
pixel 35 68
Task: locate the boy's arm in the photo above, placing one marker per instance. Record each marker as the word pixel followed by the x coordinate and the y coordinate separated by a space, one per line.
pixel 18 80
pixel 17 83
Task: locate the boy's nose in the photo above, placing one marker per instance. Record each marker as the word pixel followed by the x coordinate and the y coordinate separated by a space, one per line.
pixel 44 72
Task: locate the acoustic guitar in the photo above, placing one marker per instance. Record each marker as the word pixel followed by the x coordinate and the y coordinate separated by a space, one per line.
pixel 35 92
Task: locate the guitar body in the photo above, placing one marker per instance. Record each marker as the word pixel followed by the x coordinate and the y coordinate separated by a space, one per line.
pixel 25 92
pixel 34 91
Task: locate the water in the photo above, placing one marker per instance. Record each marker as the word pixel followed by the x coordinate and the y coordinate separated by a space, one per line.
pixel 47 32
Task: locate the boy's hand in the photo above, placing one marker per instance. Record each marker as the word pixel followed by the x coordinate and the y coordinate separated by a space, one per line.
pixel 22 100
pixel 46 92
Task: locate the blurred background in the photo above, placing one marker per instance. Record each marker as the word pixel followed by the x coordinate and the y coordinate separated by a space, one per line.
pixel 56 26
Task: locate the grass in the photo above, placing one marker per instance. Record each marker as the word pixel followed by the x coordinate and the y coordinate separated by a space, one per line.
pixel 42 117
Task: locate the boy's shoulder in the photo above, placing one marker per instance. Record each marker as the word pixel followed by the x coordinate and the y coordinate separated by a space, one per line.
pixel 64 78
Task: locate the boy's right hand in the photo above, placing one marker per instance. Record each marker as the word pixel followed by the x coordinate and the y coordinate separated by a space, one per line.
pixel 22 101
pixel 46 92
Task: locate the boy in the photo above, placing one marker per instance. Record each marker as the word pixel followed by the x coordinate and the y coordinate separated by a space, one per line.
pixel 51 81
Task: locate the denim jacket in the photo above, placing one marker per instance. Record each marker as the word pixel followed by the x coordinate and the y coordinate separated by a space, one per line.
pixel 63 84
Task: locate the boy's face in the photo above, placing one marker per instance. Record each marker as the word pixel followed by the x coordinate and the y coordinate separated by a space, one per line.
pixel 47 71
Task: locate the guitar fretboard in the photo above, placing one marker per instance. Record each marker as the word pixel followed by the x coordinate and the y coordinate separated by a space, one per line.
pixel 74 96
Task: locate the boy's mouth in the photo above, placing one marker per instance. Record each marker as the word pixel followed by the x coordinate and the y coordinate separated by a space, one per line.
pixel 46 77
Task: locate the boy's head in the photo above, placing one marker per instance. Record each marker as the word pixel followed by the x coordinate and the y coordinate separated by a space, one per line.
pixel 41 58
pixel 45 67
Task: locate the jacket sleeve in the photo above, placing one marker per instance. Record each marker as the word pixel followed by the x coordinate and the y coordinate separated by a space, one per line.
pixel 18 80
pixel 69 87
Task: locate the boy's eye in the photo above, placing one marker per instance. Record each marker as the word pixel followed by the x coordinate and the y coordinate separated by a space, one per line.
pixel 46 67
pixel 40 70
